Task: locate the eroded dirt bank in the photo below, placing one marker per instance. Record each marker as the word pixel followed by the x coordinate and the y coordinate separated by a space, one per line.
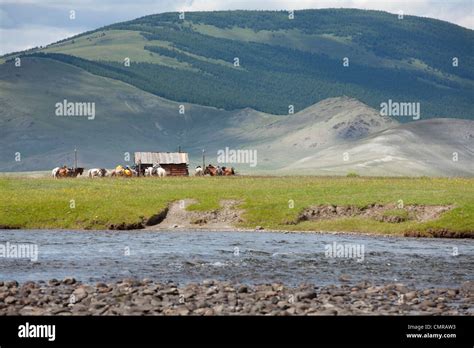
pixel 385 213
pixel 178 216
pixel 228 216
pixel 132 297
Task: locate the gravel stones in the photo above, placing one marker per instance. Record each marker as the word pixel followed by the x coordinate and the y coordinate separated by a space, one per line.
pixel 211 297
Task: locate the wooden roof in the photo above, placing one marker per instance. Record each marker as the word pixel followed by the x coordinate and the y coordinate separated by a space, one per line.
pixel 161 157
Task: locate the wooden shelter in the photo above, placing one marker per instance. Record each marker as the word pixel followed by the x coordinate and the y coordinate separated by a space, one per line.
pixel 175 163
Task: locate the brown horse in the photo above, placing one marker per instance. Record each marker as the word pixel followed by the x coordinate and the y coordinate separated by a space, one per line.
pixel 210 170
pixel 217 171
pixel 228 171
pixel 65 172
pixel 62 172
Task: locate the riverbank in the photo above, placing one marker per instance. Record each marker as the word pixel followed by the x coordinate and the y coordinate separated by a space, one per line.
pixel 421 207
pixel 210 297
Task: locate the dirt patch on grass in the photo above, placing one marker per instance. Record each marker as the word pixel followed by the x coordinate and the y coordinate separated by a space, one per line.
pixel 385 213
pixel 177 216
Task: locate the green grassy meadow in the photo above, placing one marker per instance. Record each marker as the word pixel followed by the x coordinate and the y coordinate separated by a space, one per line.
pixel 269 202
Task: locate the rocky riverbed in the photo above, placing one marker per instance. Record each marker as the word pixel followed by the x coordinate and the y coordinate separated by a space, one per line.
pixel 210 297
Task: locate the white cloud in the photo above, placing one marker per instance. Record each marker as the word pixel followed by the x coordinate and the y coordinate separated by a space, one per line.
pixel 13 40
pixel 5 20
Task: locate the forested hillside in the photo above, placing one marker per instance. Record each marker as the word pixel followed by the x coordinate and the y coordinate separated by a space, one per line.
pixel 284 61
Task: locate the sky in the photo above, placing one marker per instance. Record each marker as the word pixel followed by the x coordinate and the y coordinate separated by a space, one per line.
pixel 29 23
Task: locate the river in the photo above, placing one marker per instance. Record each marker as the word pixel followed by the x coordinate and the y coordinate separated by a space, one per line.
pixel 242 257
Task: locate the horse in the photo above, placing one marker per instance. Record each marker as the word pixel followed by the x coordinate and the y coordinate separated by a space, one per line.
pixel 151 171
pixel 198 171
pixel 127 172
pixel 62 172
pixel 210 170
pixel 218 171
pixel 99 172
pixel 228 171
pixel 136 170
pixel 123 171
pixel 118 171
pixel 54 172
pixel 161 172
pixel 155 170
pixel 73 173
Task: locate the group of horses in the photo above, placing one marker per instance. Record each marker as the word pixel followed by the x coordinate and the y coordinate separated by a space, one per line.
pixel 214 171
pixel 65 172
pixel 127 171
pixel 119 171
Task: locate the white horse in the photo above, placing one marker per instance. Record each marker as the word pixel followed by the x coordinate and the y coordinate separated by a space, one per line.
pixel 198 171
pixel 99 172
pixel 155 171
pixel 54 172
pixel 149 171
pixel 160 172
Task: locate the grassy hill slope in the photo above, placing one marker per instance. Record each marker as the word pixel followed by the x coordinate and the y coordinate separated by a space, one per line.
pixel 430 147
pixel 128 119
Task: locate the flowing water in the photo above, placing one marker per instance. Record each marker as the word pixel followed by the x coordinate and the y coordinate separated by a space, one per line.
pixel 244 257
